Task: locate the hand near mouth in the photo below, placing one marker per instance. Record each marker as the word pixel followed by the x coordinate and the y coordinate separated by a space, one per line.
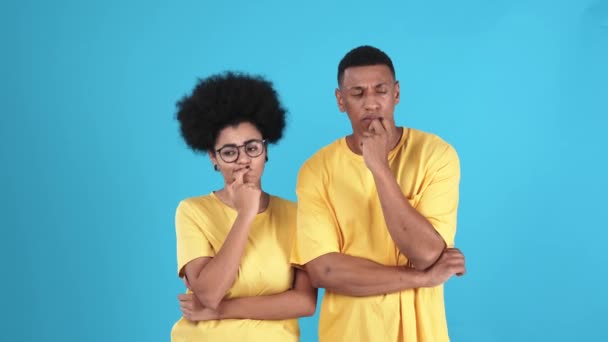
pixel 375 145
pixel 245 195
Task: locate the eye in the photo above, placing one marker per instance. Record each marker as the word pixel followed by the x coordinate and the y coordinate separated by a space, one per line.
pixel 228 152
pixel 253 147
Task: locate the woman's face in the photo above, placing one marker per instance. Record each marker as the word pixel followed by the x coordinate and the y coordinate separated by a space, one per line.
pixel 240 146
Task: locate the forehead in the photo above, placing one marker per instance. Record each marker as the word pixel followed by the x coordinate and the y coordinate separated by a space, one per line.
pixel 369 75
pixel 238 134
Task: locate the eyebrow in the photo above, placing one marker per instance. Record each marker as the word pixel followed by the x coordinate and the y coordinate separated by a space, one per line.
pixel 383 84
pixel 235 145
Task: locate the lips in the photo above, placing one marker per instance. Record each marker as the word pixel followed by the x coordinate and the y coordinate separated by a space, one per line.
pixel 369 118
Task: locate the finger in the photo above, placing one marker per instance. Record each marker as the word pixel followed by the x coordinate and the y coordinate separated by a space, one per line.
pixel 367 134
pixel 457 268
pixel 383 123
pixel 376 127
pixel 239 175
pixel 372 128
pixel 184 296
pixel 455 256
pixel 454 252
pixel 365 138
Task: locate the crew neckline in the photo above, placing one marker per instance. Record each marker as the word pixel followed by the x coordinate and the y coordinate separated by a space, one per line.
pixel 405 135
pixel 229 208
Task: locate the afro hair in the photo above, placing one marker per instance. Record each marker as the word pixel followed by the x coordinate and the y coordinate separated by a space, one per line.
pixel 228 99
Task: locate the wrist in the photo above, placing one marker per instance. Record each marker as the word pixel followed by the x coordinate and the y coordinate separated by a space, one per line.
pixel 246 216
pixel 381 170
pixel 220 311
pixel 424 279
pixel 420 279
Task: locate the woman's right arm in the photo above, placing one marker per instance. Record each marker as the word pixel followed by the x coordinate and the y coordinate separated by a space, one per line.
pixel 210 278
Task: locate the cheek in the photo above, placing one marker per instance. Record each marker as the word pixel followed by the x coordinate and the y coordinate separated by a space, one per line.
pixel 259 163
pixel 227 174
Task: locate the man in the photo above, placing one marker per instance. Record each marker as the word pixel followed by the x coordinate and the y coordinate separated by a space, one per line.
pixel 377 216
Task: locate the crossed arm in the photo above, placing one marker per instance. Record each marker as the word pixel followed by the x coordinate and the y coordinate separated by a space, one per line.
pixel 414 231
pixel 209 278
pixel 299 301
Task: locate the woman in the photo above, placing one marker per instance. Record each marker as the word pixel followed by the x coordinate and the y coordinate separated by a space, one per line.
pixel 233 245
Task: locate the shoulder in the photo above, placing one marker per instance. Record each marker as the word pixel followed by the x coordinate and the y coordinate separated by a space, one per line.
pixel 323 155
pixel 281 202
pixel 321 162
pixel 197 204
pixel 430 146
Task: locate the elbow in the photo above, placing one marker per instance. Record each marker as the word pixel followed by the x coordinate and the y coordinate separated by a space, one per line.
pixel 310 306
pixel 318 276
pixel 321 271
pixel 208 300
pixel 211 303
pixel 309 311
pixel 316 281
pixel 426 261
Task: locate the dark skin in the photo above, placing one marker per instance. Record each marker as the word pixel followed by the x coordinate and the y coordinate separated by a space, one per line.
pixel 369 94
pixel 209 278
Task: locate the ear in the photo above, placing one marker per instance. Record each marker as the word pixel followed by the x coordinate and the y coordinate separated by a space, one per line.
pixel 211 155
pixel 340 100
pixel 397 92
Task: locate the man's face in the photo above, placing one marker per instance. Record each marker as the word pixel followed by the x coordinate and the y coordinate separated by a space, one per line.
pixel 368 93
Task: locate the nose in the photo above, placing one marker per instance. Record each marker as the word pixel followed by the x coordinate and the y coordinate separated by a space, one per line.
pixel 243 157
pixel 370 103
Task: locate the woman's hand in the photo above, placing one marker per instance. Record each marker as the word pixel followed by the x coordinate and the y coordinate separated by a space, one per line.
pixel 193 310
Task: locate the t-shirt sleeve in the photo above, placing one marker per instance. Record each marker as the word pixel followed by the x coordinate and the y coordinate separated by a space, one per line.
pixel 316 229
pixel 439 201
pixel 190 236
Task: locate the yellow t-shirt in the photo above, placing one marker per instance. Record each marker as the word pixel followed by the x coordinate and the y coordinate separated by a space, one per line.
pixel 202 224
pixel 339 211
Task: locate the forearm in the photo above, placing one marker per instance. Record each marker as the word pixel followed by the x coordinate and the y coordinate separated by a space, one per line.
pixel 359 277
pixel 286 305
pixel 413 234
pixel 219 274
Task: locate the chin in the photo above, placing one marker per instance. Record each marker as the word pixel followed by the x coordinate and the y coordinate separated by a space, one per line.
pixel 253 179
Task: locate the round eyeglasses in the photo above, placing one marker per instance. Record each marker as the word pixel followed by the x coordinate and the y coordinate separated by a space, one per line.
pixel 231 153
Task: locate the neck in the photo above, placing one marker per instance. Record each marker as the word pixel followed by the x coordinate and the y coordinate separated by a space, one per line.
pixel 228 199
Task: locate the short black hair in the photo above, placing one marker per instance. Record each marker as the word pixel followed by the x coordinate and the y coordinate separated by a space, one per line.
pixel 362 56
pixel 228 99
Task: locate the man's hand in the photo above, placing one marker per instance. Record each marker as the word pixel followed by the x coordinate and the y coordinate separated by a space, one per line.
pixel 449 264
pixel 375 145
pixel 193 310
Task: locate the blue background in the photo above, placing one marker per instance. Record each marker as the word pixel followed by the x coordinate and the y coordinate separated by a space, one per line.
pixel 93 165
